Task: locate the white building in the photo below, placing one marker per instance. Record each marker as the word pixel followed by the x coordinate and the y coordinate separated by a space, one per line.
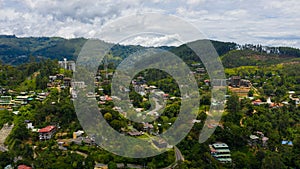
pixel 69 65
pixel 221 152
pixel 78 84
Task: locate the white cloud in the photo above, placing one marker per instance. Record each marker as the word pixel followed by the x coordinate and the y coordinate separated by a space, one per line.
pixel 195 2
pixel 237 20
pixel 154 41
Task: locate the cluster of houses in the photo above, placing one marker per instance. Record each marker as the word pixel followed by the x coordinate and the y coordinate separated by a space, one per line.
pixel 59 80
pixel 295 100
pixel 48 132
pixel 237 81
pixel 258 138
pixel 239 86
pixel 197 68
pixel 77 139
pixel 242 86
pixel 141 87
pixel 221 152
pixel 23 98
pixel 271 104
pixel 147 127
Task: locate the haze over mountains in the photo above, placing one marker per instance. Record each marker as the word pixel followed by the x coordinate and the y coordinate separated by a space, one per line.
pixel 14 51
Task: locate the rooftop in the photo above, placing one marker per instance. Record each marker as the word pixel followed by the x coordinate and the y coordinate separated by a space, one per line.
pixel 23 167
pixel 285 142
pixel 220 145
pixel 254 137
pixel 222 151
pixel 47 129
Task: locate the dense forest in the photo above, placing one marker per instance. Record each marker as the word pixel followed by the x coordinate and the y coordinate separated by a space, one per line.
pixel 17 50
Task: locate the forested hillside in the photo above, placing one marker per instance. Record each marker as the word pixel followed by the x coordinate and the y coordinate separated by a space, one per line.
pixel 15 50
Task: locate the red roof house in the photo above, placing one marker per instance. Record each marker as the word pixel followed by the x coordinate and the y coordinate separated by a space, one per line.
pixel 47 132
pixel 24 167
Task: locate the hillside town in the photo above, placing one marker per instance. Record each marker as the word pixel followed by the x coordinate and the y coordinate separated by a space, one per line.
pixel 35 119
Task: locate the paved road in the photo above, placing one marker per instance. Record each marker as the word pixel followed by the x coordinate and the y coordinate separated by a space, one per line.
pixel 4 132
pixel 157 106
pixel 178 155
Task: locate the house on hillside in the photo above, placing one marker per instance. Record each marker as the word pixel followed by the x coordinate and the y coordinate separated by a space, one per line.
pixel 259 138
pixel 46 133
pixel 148 127
pixel 24 167
pixel 237 81
pixel 78 84
pixel 42 96
pixel 2 90
pixel 67 82
pixel 254 140
pixel 221 152
pixel 258 102
pixel 200 70
pixel 52 78
pixel 29 124
pixel 60 76
pixel 78 133
pixel 6 101
pixel 21 100
pixel 84 140
pixel 135 133
pixel 69 65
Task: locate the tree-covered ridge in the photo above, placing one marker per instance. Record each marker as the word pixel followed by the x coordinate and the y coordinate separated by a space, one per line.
pixel 15 50
pixel 247 57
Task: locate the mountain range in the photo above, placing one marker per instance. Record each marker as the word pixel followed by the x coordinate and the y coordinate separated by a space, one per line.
pixel 15 50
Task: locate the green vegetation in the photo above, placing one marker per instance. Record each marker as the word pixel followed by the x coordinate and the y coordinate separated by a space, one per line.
pixel 272 75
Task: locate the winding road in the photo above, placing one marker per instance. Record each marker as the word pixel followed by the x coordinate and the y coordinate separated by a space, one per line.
pixel 4 132
pixel 178 155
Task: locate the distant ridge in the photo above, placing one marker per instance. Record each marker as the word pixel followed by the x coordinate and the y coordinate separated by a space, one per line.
pixel 15 50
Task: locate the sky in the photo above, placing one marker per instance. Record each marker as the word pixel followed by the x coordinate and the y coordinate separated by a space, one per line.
pixel 266 22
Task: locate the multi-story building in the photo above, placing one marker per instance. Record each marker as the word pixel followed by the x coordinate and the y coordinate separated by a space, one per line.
pixel 221 152
pixel 47 132
pixel 69 65
pixel 5 100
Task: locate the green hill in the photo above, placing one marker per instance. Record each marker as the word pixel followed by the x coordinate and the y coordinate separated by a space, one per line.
pixel 15 50
pixel 236 58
